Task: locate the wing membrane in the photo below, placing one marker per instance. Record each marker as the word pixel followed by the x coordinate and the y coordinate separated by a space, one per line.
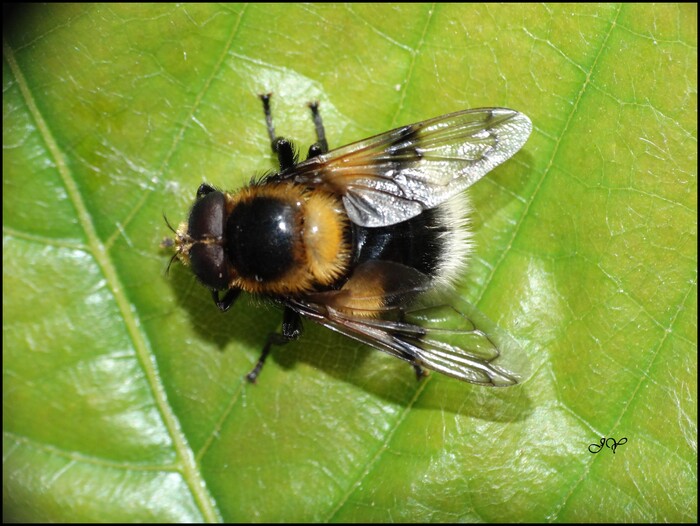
pixel 471 360
pixel 394 176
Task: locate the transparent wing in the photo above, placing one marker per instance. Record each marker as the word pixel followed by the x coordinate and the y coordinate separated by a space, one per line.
pixel 437 331
pixel 394 176
pixel 462 337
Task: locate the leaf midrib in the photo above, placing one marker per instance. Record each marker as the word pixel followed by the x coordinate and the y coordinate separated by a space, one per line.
pixel 187 464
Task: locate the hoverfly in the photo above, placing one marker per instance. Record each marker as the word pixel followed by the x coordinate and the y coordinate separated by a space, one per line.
pixel 358 238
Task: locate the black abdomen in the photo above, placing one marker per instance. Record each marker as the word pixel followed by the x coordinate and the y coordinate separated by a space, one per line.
pixel 418 242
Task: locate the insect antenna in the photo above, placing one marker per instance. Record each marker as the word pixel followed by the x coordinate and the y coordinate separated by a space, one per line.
pixel 169 225
pixel 168 243
pixel 167 269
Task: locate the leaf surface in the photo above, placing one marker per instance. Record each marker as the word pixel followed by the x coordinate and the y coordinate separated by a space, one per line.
pixel 123 390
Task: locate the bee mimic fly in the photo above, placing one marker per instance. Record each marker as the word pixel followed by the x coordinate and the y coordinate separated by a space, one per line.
pixel 364 240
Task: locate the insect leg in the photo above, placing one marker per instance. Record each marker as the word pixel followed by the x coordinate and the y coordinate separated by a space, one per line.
pixel 291 330
pixel 417 368
pixel 225 303
pixel 420 372
pixel 281 146
pixel 265 98
pixel 321 144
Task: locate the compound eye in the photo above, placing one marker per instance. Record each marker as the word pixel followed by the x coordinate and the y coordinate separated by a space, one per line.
pixel 209 265
pixel 204 189
pixel 207 217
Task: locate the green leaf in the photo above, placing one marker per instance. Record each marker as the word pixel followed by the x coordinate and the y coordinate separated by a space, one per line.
pixel 123 390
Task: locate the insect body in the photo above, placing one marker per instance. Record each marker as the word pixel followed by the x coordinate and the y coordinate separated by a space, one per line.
pixel 356 238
